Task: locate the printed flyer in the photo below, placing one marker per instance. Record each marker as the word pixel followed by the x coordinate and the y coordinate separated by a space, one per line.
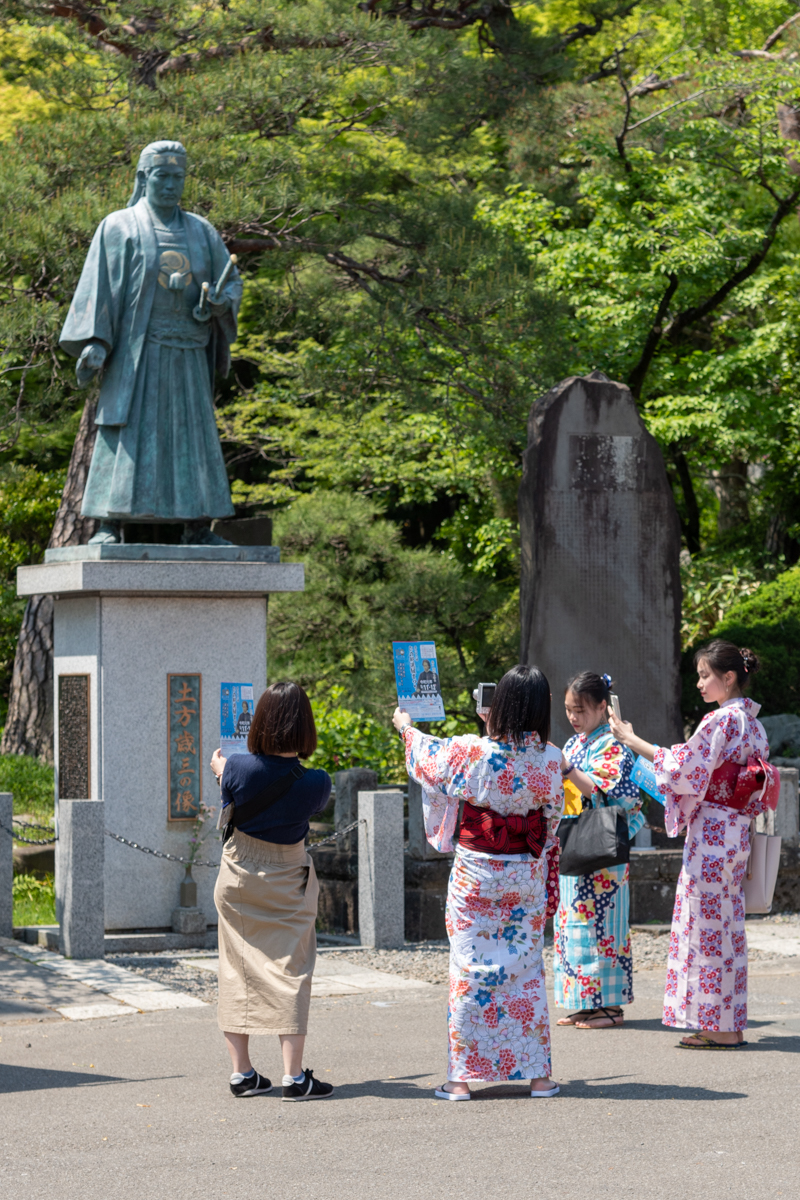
pixel 417 674
pixel 235 714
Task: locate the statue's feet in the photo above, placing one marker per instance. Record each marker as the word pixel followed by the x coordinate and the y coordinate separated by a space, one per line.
pixel 107 535
pixel 197 533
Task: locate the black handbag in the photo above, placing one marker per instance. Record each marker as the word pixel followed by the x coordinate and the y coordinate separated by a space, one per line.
pixel 597 838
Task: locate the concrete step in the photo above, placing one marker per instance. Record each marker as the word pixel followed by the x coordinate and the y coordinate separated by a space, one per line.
pixel 126 942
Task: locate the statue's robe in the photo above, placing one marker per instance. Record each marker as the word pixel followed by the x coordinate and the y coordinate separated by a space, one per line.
pixel 157 455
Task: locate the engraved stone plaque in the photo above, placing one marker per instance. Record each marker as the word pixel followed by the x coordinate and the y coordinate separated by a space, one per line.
pixel 185 752
pixel 73 738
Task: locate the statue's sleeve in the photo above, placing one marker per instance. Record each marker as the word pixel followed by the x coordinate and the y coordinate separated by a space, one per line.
pixel 226 324
pixel 92 315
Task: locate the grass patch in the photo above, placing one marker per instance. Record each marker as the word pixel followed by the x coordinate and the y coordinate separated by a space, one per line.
pixel 31 782
pixel 34 900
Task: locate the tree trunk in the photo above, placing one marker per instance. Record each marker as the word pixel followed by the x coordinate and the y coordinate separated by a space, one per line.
pixel 730 484
pixel 29 725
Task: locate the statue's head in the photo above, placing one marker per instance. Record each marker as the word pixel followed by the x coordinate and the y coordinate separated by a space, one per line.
pixel 160 174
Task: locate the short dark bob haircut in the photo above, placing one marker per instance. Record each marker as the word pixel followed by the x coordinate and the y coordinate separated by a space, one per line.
pixel 283 722
pixel 723 656
pixel 521 705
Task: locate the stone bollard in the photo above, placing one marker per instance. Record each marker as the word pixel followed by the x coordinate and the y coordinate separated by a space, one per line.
pixel 345 809
pixel 381 899
pixel 6 866
pixel 419 847
pixel 787 816
pixel 80 895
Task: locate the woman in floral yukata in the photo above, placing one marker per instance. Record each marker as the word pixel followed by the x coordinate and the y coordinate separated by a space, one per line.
pixel 505 865
pixel 592 967
pixel 706 987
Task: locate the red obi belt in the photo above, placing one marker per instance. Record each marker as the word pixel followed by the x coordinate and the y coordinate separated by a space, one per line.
pixel 488 832
pixel 734 786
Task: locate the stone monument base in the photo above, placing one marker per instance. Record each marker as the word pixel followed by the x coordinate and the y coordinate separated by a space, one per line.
pixel 123 630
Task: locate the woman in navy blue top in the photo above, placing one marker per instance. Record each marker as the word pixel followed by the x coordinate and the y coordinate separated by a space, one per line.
pixel 267 891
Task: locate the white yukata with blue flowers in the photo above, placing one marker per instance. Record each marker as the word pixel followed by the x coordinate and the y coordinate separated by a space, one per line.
pixel 498 1020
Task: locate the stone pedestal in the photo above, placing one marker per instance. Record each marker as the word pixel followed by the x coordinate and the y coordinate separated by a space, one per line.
pixel 80 854
pixel 600 543
pixel 122 625
pixel 6 865
pixel 380 869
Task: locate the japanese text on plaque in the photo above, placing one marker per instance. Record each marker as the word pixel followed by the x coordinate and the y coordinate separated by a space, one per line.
pixel 185 751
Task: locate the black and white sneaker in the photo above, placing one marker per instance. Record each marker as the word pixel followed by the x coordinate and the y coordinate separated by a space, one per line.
pixel 250 1085
pixel 309 1089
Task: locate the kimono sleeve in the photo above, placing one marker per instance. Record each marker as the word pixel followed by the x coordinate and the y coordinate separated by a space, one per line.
pixel 93 313
pixel 683 771
pixel 435 763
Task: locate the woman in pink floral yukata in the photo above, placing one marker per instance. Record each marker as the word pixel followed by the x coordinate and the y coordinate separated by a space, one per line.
pixel 504 880
pixel 706 988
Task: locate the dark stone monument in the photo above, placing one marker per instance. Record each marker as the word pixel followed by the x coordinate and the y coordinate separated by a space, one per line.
pixel 600 554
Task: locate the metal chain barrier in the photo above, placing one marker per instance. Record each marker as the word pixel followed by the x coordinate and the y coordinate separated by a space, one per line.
pixel 199 862
pixel 48 841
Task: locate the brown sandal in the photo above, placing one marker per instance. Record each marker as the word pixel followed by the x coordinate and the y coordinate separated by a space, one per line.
pixel 576 1016
pixel 612 1015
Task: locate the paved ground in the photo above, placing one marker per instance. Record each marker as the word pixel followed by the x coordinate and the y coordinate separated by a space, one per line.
pixel 136 1104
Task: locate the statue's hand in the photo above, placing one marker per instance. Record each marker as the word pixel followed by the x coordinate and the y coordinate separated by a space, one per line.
pixel 218 304
pixel 91 360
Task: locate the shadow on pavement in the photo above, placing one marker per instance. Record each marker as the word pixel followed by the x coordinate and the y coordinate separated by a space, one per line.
pixel 402 1088
pixel 785 1043
pixel 585 1089
pixel 35 1079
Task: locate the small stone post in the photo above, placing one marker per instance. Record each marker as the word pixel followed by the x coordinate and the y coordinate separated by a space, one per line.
pixel 345 809
pixel 787 816
pixel 80 860
pixel 6 866
pixel 381 898
pixel 419 847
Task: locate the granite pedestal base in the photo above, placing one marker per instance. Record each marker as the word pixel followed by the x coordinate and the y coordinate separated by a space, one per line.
pixel 120 628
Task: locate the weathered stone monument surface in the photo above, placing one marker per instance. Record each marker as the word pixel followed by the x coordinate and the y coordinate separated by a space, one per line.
pixel 600 554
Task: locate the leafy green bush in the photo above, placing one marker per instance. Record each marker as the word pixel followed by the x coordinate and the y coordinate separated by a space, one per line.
pixel 769 623
pixel 31 783
pixel 348 738
pixel 34 900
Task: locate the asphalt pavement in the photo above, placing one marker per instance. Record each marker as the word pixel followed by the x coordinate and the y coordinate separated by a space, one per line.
pixel 137 1104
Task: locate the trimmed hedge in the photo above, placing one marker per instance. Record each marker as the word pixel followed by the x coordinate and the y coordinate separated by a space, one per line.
pixel 769 623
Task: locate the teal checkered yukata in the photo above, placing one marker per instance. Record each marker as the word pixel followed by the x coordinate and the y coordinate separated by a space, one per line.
pixel 592 966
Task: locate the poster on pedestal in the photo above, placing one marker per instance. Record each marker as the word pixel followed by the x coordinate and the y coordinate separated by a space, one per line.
pixel 236 705
pixel 417 676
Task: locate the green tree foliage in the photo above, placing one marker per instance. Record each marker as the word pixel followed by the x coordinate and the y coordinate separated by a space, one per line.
pixel 439 212
pixel 768 623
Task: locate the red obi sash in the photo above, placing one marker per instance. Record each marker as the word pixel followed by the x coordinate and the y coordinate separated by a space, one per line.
pixel 488 832
pixel 734 786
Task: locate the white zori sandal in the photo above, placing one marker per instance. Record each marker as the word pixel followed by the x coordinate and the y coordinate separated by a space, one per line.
pixel 552 1091
pixel 443 1095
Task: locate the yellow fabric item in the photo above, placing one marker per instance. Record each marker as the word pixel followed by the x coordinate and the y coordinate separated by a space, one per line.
pixel 573 800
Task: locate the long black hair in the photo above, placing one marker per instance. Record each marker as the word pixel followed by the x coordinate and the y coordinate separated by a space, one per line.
pixel 723 656
pixel 521 705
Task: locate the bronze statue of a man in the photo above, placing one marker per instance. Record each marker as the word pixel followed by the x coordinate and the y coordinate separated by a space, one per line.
pixel 155 314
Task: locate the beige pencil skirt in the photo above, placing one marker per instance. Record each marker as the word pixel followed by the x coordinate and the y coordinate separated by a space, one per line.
pixel 266 897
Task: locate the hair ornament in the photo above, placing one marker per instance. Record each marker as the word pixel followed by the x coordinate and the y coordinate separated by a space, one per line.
pixel 606 680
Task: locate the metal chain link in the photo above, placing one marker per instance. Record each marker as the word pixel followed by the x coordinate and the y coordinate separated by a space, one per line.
pixel 199 862
pixel 30 841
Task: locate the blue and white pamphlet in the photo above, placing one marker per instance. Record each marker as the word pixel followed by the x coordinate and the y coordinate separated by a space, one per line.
pixel 644 777
pixel 416 672
pixel 236 706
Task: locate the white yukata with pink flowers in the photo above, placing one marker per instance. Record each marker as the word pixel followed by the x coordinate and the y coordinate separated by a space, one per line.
pixel 498 1019
pixel 706 984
